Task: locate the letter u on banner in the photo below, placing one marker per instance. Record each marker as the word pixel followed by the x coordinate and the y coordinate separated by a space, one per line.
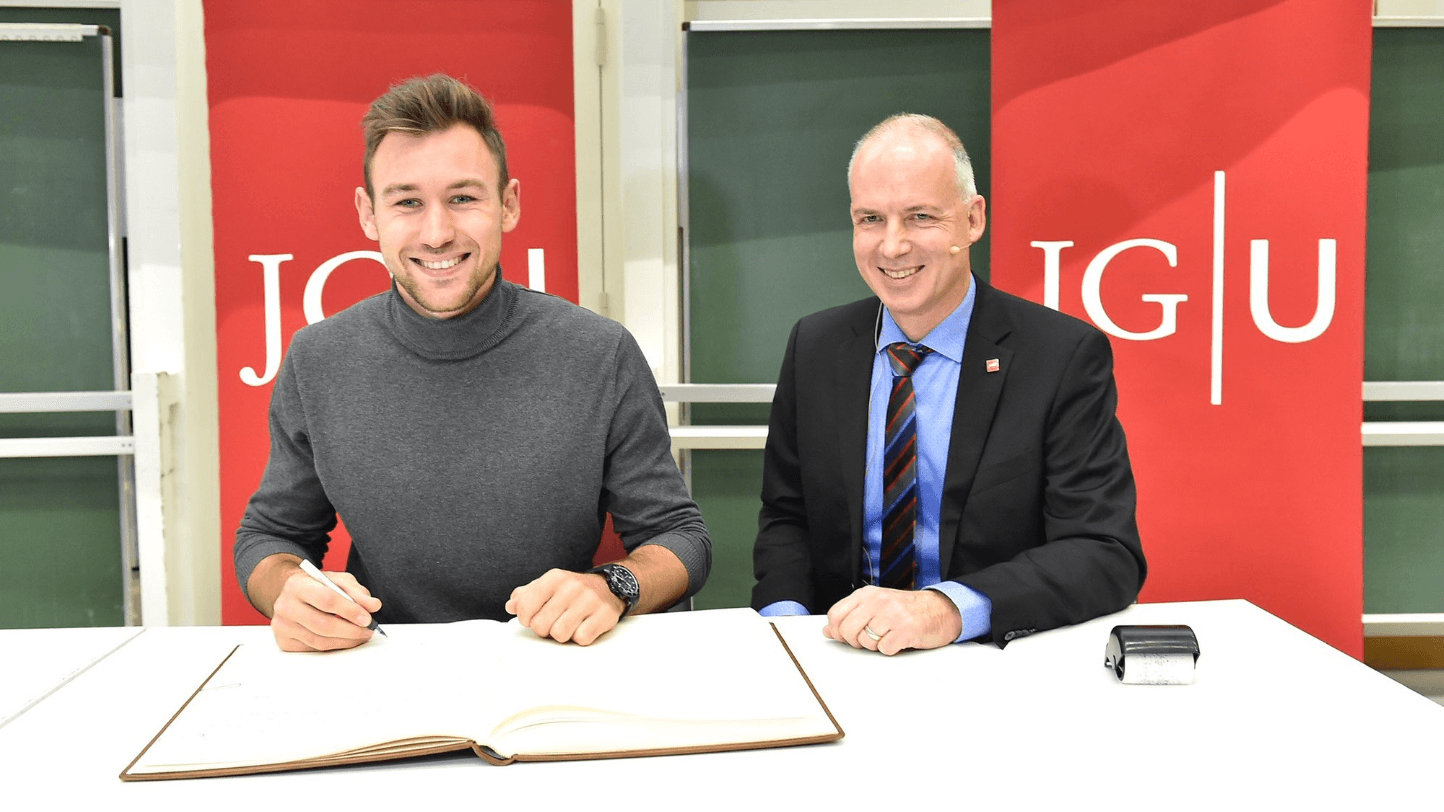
pixel 1258 294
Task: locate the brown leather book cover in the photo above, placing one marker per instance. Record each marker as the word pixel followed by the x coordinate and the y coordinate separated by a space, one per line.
pixel 738 630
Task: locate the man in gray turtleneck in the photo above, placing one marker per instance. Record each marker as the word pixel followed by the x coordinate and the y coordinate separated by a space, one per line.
pixel 474 434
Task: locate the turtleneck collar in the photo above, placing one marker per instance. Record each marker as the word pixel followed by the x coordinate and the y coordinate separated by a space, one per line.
pixel 456 338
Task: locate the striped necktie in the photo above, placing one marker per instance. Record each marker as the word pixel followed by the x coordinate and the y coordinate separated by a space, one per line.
pixel 898 566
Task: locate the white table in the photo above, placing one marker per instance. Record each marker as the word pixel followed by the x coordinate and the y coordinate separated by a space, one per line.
pixel 37 662
pixel 1275 720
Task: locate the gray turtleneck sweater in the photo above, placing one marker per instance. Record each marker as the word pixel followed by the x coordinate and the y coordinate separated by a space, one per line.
pixel 467 456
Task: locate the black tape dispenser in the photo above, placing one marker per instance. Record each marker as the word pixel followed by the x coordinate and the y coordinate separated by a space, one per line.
pixel 1152 655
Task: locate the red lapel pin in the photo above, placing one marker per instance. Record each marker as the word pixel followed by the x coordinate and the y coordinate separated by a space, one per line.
pixel 993 365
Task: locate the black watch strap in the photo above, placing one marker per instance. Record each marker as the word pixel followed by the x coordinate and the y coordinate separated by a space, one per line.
pixel 622 583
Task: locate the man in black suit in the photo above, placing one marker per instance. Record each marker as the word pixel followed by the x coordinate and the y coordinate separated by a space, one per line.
pixel 943 460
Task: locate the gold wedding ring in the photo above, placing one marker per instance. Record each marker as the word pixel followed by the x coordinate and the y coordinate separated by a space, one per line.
pixel 870 633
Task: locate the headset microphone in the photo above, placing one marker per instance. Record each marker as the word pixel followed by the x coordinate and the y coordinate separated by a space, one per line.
pixel 955 249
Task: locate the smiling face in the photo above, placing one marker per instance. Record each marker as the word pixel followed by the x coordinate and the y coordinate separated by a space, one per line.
pixel 439 215
pixel 907 216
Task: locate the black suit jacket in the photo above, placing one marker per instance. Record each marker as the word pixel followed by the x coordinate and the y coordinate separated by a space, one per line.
pixel 1038 503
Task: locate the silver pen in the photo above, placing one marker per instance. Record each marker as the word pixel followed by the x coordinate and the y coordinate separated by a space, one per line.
pixel 310 569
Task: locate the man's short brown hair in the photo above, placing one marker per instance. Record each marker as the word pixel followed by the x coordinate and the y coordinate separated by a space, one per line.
pixel 432 104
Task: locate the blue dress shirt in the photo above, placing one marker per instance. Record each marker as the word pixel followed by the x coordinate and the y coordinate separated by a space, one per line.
pixel 936 383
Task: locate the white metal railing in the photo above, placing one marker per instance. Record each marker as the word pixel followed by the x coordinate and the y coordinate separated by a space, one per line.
pixel 719 437
pixel 41 402
pixel 1397 432
pixel 686 438
pixel 1373 433
pixel 717 392
pixel 1379 433
pixel 1376 391
pixel 1404 625
pixel 1401 433
pixel 111 446
pixel 51 402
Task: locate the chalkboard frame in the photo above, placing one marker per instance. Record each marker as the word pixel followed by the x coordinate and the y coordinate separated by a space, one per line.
pixel 55 25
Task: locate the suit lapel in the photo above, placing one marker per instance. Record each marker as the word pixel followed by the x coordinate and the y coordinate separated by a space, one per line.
pixel 977 401
pixel 854 377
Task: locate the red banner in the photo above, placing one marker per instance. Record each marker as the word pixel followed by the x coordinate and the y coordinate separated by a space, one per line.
pixel 288 84
pixel 1191 178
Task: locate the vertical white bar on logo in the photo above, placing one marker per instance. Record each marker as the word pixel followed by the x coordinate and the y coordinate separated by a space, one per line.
pixel 1215 392
pixel 536 269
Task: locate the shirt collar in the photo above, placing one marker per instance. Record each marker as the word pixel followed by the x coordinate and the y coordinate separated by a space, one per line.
pixel 946 339
pixel 459 337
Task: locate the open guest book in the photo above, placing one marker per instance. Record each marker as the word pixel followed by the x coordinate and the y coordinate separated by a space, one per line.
pixel 686 682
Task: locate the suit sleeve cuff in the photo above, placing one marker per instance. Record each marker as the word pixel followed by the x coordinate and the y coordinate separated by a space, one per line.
pixel 974 608
pixel 784 609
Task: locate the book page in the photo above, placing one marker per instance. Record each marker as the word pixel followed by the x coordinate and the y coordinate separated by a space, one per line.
pixel 676 681
pixel 654 681
pixel 267 706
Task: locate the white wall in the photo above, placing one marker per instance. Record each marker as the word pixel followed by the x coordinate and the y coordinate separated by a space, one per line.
pixel 172 309
pixel 640 86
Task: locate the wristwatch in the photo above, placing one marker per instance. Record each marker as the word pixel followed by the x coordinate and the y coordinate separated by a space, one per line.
pixel 622 583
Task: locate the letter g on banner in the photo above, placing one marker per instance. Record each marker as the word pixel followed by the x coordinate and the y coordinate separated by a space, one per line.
pixel 1093 300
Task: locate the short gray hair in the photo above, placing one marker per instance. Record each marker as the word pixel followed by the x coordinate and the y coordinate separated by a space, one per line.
pixel 901 123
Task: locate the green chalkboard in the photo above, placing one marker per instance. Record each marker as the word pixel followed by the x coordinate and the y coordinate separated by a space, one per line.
pixel 772 117
pixel 1404 328
pixel 59 518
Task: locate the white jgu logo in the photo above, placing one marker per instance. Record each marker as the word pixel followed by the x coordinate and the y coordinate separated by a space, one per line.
pixel 1258 290
pixel 311 298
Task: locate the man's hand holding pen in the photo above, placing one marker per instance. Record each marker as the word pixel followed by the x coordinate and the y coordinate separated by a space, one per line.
pixel 309 615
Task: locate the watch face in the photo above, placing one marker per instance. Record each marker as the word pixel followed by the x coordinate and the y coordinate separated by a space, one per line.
pixel 622 583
